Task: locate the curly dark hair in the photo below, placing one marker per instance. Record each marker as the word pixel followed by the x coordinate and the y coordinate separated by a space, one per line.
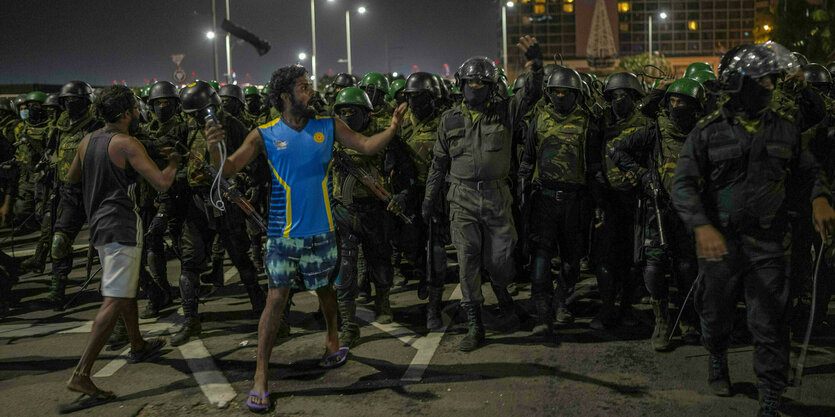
pixel 283 80
pixel 114 101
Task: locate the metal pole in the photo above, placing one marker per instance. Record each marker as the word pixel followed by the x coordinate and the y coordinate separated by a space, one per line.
pixel 348 37
pixel 504 37
pixel 228 50
pixel 313 35
pixel 649 38
pixel 214 39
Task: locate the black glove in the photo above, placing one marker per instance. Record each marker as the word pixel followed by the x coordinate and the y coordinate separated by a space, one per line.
pixel 158 224
pixel 534 53
pixel 427 210
pixel 600 178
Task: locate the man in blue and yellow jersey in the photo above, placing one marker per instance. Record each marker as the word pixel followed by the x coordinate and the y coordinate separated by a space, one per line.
pixel 300 232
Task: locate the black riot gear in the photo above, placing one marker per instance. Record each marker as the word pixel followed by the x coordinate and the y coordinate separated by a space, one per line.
pixel 478 68
pixel 519 83
pixel 622 80
pixel 198 96
pixel 75 97
pixel 818 76
pixel 343 80
pixel 754 61
pixel 801 59
pixel 166 90
pixel 565 78
pixel 163 89
pixel 233 91
pixel 420 82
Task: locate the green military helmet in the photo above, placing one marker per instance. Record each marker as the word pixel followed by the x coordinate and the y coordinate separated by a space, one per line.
pixel 455 93
pixel 502 74
pixel 697 66
pixel 395 87
pixel 265 90
pixel 687 87
pixel 145 92
pixel 563 77
pixel 215 85
pixel 510 92
pixel 251 90
pixel 52 100
pixel 702 76
pixel 232 91
pixel 352 95
pixel 375 79
pixel 38 96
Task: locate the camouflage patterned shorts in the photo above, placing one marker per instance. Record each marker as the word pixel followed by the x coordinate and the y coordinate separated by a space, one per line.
pixel 312 257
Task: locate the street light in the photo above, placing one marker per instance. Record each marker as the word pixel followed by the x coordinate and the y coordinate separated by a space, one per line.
pixel 504 33
pixel 510 4
pixel 302 56
pixel 210 35
pixel 360 10
pixel 313 36
pixel 663 16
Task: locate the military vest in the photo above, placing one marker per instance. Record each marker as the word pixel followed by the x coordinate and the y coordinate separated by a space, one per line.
pixel 68 140
pixel 32 139
pixel 620 130
pixel 421 139
pixel 560 147
pixel 346 188
pixel 480 144
pixel 669 151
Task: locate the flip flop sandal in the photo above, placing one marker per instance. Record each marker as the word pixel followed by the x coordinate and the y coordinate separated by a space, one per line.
pixel 335 359
pixel 151 350
pixel 258 408
pixel 85 401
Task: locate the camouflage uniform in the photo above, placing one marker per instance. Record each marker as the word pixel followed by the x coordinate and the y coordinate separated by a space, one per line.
pixel 554 159
pixel 733 174
pixel 31 141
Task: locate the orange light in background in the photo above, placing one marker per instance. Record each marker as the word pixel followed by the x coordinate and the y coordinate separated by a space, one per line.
pixel 766 28
pixel 539 8
pixel 692 25
pixel 624 27
pixel 568 8
pixel 623 6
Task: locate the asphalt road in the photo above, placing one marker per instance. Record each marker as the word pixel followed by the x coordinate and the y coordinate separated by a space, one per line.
pixel 397 369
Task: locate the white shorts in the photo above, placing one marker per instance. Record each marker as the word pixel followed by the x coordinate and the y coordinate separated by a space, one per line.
pixel 120 269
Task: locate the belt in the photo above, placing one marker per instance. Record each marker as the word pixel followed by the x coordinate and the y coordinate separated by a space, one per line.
pixel 479 185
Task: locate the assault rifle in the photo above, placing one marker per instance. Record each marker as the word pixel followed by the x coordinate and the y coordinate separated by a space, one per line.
pixel 344 161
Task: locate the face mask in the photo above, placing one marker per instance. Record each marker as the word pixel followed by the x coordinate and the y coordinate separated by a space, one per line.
pixel 164 114
pixel 476 97
pixel 684 118
pixel 36 115
pixel 563 104
pixel 254 106
pixel 400 98
pixel 622 106
pixel 76 108
pixel 52 113
pixel 376 96
pixel 24 114
pixel 754 97
pixel 233 107
pixel 421 105
pixel 357 121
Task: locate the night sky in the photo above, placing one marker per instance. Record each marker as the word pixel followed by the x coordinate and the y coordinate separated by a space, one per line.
pixel 99 41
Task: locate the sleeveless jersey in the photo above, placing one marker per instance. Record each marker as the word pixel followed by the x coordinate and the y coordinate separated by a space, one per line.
pixel 300 164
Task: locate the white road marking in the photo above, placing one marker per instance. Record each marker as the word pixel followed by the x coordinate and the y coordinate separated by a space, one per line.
pixel 230 273
pixel 29 330
pixel 211 380
pixel 113 365
pixel 29 252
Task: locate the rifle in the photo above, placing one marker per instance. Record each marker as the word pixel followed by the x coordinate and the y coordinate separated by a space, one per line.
pixel 344 161
pixel 430 262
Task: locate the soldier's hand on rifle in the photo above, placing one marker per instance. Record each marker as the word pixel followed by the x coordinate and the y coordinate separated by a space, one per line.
pixel 397 117
pixel 823 216
pixel 427 210
pixel 214 135
pixel 710 244
pixel 397 204
pixel 530 47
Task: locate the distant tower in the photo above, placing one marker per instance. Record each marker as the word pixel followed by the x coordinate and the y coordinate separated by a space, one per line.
pixel 600 50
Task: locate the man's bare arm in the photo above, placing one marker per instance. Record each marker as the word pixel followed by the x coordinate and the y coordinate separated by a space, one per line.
pixel 369 145
pixel 243 156
pixel 136 155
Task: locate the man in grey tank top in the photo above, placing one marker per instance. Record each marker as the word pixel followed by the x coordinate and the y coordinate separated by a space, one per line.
pixel 103 175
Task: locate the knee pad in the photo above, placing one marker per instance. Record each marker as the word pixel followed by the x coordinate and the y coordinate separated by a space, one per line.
pixel 61 245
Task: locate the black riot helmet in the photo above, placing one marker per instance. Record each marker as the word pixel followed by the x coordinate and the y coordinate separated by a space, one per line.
pixel 586 78
pixel 232 91
pixel 442 87
pixel 448 85
pixel 565 78
pixel 831 67
pixel 478 68
pixel 419 82
pixel 6 105
pixel 436 87
pixel 622 80
pixel 816 73
pixel 163 89
pixel 519 83
pixel 801 59
pixel 343 80
pixel 52 101
pixel 198 96
pixel 76 89
pixel 754 61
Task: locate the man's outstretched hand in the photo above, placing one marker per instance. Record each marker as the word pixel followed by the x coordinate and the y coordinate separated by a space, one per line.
pixel 530 47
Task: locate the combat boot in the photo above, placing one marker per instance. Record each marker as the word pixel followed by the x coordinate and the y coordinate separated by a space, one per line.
pixel 215 276
pixel 564 315
pixel 545 316
pixel 769 402
pixel 660 335
pixel 119 336
pixel 433 309
pixel 383 305
pixel 718 377
pixel 508 320
pixel 37 262
pixel 57 289
pixel 152 309
pixel 256 297
pixel 191 328
pixel 350 332
pixel 689 333
pixel 475 332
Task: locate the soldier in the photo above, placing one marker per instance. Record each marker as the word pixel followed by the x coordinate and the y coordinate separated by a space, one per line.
pixel 475 146
pixel 30 140
pixel 53 108
pixel 376 86
pixel 616 198
pixel 661 144
pixel 730 188
pixel 421 137
pixel 342 80
pixel 361 216
pixel 269 113
pixel 76 100
pixel 254 104
pixel 235 104
pixel 555 159
pixel 204 219
pixel 167 130
pixel 330 94
pixel 396 96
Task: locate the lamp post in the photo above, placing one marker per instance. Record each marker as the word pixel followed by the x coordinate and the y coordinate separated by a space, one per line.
pixel 313 40
pixel 360 10
pixel 663 16
pixel 504 32
pixel 213 37
pixel 228 50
